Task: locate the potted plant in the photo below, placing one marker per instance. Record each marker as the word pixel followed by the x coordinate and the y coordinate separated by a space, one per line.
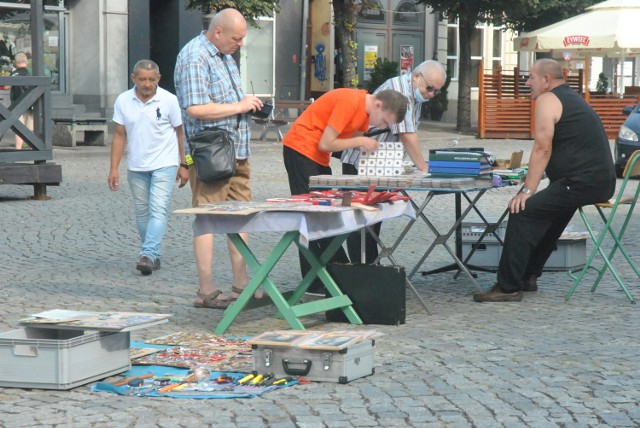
pixel 437 105
pixel 383 69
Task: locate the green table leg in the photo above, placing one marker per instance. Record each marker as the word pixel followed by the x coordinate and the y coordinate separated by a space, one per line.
pixel 260 278
pixel 290 310
pixel 318 268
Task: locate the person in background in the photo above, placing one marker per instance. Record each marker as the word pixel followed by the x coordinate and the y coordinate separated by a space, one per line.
pixel 18 91
pixel 418 86
pixel 149 124
pixel 571 146
pixel 334 122
pixel 207 83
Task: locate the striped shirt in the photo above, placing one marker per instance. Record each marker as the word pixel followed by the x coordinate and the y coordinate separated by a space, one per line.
pixel 201 77
pixel 410 123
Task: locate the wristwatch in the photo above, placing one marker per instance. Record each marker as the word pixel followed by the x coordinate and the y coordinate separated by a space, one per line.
pixel 184 165
pixel 525 190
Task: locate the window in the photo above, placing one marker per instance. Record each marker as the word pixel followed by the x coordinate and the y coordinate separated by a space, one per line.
pixel 407 14
pixel 477 42
pixel 259 46
pixel 452 49
pixel 15 36
pixel 376 14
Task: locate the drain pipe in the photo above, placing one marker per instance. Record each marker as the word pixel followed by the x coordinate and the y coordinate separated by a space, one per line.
pixel 303 56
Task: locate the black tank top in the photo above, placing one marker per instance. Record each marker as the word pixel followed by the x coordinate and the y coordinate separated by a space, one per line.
pixel 580 151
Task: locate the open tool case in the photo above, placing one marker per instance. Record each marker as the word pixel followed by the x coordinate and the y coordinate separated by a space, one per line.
pixel 339 356
pixel 58 353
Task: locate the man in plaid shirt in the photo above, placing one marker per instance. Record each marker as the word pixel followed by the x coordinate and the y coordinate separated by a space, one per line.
pixel 207 83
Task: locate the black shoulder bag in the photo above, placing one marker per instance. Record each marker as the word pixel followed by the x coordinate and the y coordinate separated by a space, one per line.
pixel 212 149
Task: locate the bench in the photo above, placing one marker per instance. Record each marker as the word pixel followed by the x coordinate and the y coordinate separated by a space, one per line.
pixel 65 130
pixel 284 113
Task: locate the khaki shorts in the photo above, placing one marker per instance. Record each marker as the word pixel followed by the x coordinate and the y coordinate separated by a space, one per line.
pixel 236 188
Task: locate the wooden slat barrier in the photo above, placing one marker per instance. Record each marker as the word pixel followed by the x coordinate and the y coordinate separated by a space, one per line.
pixel 506 111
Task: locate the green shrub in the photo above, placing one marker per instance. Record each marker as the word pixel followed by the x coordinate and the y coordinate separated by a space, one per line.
pixel 383 70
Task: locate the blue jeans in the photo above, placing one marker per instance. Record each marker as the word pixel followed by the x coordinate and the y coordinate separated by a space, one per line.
pixel 151 192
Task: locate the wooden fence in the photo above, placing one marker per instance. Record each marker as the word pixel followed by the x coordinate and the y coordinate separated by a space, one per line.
pixel 505 109
pixel 38 144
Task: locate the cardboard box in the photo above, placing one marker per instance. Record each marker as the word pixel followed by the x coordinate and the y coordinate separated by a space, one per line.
pixel 60 359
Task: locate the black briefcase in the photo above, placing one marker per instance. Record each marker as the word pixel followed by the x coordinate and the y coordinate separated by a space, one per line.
pixel 378 292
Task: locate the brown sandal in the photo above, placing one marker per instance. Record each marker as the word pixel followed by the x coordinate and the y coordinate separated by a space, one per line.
pixel 210 301
pixel 235 289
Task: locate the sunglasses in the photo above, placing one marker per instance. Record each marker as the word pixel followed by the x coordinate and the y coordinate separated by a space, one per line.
pixel 429 87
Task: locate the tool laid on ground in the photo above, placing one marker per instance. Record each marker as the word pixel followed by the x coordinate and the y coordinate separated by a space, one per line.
pixel 133 379
pixel 245 379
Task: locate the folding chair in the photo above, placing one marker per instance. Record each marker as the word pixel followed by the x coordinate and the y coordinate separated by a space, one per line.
pixel 631 170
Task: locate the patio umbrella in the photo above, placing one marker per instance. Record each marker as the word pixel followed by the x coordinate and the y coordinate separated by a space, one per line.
pixel 607 29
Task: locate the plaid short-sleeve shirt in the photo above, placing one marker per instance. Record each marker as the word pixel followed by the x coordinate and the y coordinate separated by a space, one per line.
pixel 200 78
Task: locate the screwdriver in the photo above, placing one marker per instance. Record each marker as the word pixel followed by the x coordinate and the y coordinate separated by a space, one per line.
pixel 245 379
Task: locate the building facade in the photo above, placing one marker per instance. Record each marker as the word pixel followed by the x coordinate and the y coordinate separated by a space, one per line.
pixel 90 46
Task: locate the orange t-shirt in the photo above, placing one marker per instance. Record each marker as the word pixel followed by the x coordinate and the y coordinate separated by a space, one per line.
pixel 343 109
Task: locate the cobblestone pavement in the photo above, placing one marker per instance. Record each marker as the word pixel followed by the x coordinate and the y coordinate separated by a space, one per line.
pixel 541 362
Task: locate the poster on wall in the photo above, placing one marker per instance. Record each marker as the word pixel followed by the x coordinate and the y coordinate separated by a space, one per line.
pixel 370 56
pixel 406 59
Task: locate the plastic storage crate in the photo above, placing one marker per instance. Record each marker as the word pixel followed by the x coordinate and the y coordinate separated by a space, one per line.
pixel 471 231
pixel 60 359
pixel 570 254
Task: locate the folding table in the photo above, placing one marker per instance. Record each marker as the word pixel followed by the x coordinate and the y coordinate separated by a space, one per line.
pixel 299 224
pixel 471 190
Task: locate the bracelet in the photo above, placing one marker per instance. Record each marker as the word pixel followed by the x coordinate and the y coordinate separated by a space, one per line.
pixel 184 165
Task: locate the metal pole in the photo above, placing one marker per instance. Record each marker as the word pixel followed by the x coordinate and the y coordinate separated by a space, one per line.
pixel 303 56
pixel 37 68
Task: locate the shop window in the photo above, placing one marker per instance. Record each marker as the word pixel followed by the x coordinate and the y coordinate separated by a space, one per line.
pixel 15 36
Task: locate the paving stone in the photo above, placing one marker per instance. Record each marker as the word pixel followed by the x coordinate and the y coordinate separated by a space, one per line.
pixel 541 362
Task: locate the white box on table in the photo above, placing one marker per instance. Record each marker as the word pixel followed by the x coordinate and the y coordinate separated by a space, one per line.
pixel 60 359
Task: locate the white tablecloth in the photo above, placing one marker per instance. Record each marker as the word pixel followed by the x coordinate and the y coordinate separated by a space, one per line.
pixel 311 225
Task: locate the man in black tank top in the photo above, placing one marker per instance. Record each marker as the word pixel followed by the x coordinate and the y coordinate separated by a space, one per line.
pixel 571 145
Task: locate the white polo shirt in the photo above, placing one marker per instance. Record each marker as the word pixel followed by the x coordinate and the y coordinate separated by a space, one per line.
pixel 152 141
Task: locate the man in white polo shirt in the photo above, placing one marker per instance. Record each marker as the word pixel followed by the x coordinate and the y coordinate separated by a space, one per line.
pixel 148 118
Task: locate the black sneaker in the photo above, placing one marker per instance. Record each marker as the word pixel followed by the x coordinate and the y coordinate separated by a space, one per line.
pixel 145 265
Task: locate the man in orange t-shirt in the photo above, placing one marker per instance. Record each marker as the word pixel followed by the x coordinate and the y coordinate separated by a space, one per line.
pixel 334 122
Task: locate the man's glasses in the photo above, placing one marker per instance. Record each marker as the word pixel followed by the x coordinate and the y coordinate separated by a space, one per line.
pixel 429 88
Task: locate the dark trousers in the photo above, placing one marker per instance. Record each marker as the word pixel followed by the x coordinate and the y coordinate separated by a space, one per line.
pixel 354 240
pixel 532 234
pixel 299 169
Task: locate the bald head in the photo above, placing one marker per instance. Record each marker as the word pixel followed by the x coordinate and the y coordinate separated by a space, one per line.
pixel 548 67
pixel 227 19
pixel 545 75
pixel 432 70
pixel 21 59
pixel 227 30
